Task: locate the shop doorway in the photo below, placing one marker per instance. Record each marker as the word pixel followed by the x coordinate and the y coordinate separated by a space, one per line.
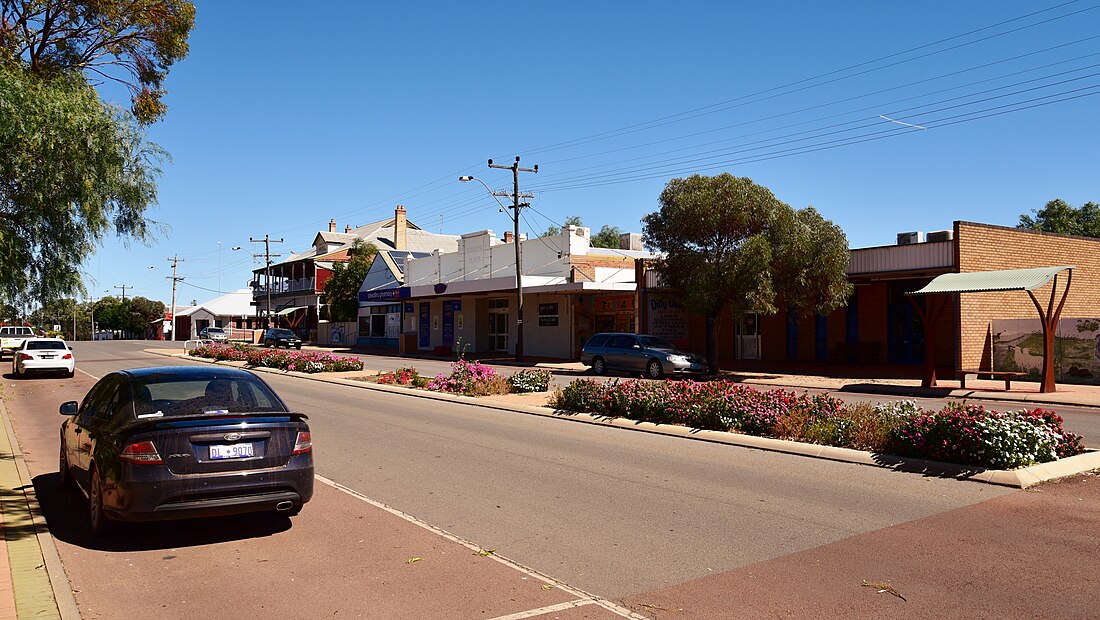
pixel 746 343
pixel 498 324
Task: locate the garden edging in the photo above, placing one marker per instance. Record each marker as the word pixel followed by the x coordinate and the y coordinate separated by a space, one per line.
pixel 1021 478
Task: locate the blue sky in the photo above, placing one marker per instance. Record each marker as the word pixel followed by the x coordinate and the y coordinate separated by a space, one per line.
pixel 281 118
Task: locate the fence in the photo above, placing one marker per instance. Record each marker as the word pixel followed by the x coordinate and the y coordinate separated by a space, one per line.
pixel 340 334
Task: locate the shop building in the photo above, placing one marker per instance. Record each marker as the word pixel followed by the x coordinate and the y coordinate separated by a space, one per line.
pixel 289 292
pixel 880 332
pixel 465 300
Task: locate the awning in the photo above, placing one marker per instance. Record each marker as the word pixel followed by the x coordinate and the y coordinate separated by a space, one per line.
pixel 291 309
pixel 983 281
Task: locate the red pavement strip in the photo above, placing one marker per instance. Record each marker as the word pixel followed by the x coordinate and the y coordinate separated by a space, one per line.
pixel 339 558
pixel 1030 554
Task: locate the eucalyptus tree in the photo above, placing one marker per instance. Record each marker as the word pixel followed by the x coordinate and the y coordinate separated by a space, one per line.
pixel 729 245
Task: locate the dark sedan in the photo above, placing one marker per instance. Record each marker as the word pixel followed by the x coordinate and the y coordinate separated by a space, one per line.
pixel 281 338
pixel 178 442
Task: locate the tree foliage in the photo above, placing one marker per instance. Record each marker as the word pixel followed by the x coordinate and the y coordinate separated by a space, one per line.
pixel 72 170
pixel 572 220
pixel 730 245
pixel 1058 216
pixel 608 237
pixel 341 296
pixel 131 317
pixel 132 42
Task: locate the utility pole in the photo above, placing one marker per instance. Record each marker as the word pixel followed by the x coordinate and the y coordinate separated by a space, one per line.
pixel 516 206
pixel 124 287
pixel 175 260
pixel 267 241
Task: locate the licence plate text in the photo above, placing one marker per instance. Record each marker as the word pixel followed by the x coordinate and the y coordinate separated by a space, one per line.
pixel 232 451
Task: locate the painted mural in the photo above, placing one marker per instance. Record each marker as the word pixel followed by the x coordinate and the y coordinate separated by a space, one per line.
pixel 1018 345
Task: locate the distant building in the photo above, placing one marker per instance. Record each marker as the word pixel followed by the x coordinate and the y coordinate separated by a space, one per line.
pixel 230 310
pixel 297 283
pixel 466 298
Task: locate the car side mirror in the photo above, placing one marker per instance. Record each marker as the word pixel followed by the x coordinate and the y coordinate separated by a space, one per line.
pixel 68 408
pixel 636 346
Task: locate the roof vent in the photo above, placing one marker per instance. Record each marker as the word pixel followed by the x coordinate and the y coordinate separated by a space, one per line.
pixel 940 235
pixel 909 238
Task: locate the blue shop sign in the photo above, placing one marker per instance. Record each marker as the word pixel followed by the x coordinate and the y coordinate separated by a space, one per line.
pixel 385 294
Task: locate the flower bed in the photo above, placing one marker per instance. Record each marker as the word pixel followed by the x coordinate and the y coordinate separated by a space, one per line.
pixel 471 379
pixel 299 361
pixel 961 433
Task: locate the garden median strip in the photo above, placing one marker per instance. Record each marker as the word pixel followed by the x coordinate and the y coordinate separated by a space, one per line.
pixel 961 440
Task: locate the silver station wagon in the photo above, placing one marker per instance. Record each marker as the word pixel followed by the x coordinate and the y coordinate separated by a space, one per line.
pixel 635 353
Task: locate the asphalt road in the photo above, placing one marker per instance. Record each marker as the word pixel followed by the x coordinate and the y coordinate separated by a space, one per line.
pixel 609 511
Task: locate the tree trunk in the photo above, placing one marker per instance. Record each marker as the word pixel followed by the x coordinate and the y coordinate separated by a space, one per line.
pixel 712 345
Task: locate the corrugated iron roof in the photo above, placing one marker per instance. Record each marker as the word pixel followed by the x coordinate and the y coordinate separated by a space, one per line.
pixel 983 281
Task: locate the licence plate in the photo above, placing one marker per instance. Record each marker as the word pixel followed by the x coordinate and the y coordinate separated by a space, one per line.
pixel 232 451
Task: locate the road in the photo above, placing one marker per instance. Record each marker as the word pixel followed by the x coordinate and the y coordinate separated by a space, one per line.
pixel 611 512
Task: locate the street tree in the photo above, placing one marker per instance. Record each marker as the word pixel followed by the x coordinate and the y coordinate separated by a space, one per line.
pixel 71 171
pixel 608 237
pixel 131 42
pixel 572 220
pixel 1058 216
pixel 730 246
pixel 341 296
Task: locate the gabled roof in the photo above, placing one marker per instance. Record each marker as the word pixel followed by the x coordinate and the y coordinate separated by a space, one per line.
pixel 237 303
pixel 380 234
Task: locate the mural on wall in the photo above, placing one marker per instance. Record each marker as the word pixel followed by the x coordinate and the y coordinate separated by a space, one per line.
pixel 1018 345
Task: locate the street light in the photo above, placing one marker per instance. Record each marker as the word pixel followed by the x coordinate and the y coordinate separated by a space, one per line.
pixel 516 206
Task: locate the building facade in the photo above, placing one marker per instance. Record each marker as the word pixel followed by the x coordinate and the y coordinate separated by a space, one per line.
pixel 465 300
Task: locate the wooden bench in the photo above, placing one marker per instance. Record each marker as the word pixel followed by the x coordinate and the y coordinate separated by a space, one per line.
pixel 1007 375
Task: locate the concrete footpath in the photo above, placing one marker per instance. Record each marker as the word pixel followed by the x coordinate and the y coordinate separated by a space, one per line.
pixel 37 587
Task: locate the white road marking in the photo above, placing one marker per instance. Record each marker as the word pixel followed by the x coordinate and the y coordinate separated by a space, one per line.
pixel 584 598
pixel 531 613
pixel 89 374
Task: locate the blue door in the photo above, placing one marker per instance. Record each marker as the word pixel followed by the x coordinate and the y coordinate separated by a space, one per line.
pixel 425 340
pixel 792 337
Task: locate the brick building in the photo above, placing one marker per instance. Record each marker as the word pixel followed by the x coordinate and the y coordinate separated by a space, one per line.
pixel 880 332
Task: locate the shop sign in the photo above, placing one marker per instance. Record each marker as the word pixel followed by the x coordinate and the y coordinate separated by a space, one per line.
pixel 548 315
pixel 615 303
pixel 668 319
pixel 385 294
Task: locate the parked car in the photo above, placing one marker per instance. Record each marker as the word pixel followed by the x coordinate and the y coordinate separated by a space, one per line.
pixel 656 357
pixel 43 355
pixel 181 442
pixel 216 334
pixel 281 338
pixel 12 336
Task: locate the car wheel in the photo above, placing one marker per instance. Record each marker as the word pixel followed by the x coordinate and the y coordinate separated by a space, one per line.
pixel 299 347
pixel 70 374
pixel 654 370
pixel 63 468
pixel 97 518
pixel 599 366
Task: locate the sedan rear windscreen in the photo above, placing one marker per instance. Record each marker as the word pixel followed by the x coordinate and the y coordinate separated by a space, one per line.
pixel 164 397
pixel 42 345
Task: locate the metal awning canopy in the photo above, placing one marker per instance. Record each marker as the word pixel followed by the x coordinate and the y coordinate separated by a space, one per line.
pixel 986 281
pixel 291 309
pixel 996 281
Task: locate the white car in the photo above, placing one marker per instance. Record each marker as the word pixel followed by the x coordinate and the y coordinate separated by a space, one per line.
pixel 12 336
pixel 43 355
pixel 216 334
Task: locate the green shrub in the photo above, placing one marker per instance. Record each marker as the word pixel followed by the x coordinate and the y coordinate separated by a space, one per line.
pixel 533 380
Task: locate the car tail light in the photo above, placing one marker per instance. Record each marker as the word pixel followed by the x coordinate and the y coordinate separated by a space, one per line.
pixel 141 453
pixel 26 356
pixel 303 443
pixel 67 356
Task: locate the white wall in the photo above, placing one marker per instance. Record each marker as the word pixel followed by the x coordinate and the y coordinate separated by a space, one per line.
pixel 482 256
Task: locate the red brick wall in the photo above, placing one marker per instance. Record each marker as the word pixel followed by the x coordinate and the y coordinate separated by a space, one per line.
pixel 983 247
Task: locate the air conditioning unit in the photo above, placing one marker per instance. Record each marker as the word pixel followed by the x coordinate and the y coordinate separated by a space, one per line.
pixel 909 238
pixel 940 235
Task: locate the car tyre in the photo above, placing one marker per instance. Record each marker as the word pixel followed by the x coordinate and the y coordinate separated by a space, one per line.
pixel 654 370
pixel 299 347
pixel 97 518
pixel 599 366
pixel 70 374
